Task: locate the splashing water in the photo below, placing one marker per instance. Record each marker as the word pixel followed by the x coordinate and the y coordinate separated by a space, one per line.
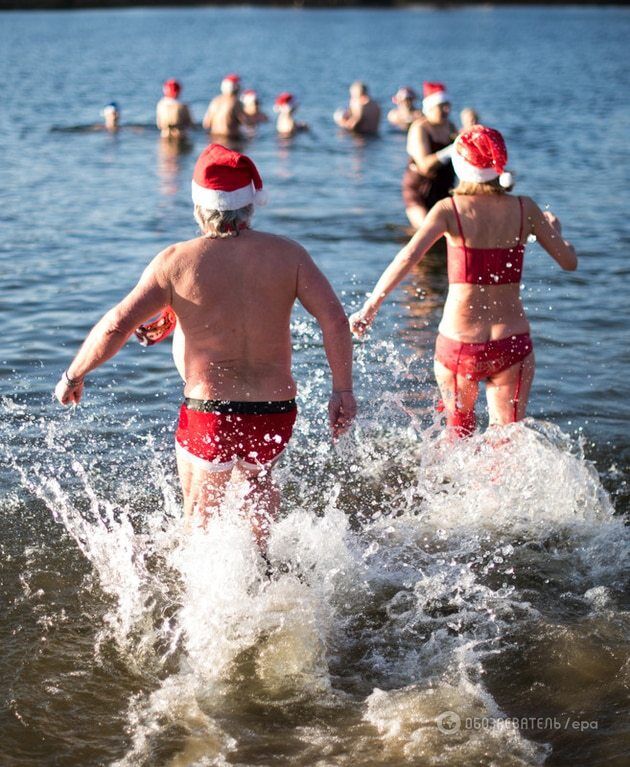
pixel 405 568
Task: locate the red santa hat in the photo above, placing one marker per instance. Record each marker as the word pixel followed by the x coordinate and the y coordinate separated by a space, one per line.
pixel 230 83
pixel 479 155
pixel 434 94
pixel 226 180
pixel 171 89
pixel 403 94
pixel 284 100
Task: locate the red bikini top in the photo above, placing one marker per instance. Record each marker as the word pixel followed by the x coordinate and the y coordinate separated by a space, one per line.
pixel 485 266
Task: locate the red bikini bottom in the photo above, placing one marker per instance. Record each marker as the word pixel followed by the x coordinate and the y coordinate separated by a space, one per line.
pixel 478 362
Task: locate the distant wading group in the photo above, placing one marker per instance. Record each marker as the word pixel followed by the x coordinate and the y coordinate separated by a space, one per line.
pixel 233 352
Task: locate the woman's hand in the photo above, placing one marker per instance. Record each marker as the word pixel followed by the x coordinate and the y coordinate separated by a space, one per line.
pixel 361 321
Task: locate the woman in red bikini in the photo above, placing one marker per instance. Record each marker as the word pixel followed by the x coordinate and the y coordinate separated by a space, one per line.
pixel 484 333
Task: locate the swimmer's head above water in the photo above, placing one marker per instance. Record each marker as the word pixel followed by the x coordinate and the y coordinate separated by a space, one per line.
pixel 404 96
pixel 230 85
pixel 225 187
pixel 249 97
pixel 111 115
pixel 436 103
pixel 285 102
pixel 358 90
pixel 171 89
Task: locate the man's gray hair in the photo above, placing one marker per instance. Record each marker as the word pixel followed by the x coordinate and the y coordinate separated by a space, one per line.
pixel 223 223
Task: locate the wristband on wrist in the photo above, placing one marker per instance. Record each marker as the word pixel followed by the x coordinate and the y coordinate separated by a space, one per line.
pixel 72 383
pixel 342 391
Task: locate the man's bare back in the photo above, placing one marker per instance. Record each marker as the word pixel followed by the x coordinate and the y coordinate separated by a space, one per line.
pixel 172 118
pixel 225 116
pixel 233 299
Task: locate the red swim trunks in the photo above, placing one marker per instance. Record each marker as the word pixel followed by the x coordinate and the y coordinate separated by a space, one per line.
pixel 215 434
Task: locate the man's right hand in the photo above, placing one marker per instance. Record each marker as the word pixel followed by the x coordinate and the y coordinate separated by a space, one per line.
pixel 342 409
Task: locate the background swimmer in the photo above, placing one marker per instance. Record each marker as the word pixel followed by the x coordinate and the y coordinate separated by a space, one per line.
pixel 251 108
pixel 363 113
pixel 468 117
pixel 429 175
pixel 286 105
pixel 111 116
pixel 172 117
pixel 405 111
pixel 225 115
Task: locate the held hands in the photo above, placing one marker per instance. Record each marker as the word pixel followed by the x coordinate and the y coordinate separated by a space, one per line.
pixel 69 391
pixel 342 409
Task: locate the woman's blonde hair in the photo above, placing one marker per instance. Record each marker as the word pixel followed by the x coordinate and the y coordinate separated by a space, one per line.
pixel 477 187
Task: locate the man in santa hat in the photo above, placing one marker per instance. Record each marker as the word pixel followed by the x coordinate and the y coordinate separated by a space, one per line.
pixel 229 293
pixel 363 113
pixel 172 116
pixel 225 115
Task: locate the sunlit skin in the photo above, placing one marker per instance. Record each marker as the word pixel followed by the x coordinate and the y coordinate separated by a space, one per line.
pixel 286 124
pixel 363 113
pixel 477 313
pixel 233 299
pixel 253 112
pixel 434 123
pixel 111 119
pixel 404 114
pixel 173 118
pixel 225 116
pixel 468 117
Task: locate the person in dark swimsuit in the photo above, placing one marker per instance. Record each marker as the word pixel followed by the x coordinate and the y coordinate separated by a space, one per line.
pixel 429 176
pixel 484 333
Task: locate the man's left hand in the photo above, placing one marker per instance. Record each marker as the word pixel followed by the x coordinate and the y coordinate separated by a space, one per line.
pixel 67 393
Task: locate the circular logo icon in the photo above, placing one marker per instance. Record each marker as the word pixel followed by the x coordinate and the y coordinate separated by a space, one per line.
pixel 448 722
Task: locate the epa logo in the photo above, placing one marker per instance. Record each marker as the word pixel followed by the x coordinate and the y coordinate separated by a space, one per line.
pixel 448 722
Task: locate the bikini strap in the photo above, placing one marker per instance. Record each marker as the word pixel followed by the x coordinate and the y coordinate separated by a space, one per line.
pixel 461 233
pixel 459 222
pixel 520 231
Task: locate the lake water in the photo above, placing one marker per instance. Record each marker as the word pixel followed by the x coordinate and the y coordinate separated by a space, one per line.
pixel 416 580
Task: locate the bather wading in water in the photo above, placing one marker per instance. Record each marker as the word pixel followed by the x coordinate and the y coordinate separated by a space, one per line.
pixel 230 292
pixel 484 333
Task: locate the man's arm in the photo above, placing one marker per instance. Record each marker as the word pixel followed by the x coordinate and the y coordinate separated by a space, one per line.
pixel 349 118
pixel 109 335
pixel 209 115
pixel 318 298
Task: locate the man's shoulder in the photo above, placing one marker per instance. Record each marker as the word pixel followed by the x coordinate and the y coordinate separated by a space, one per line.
pixel 277 241
pixel 173 255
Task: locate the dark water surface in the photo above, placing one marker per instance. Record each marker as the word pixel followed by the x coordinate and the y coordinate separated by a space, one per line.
pixel 488 580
